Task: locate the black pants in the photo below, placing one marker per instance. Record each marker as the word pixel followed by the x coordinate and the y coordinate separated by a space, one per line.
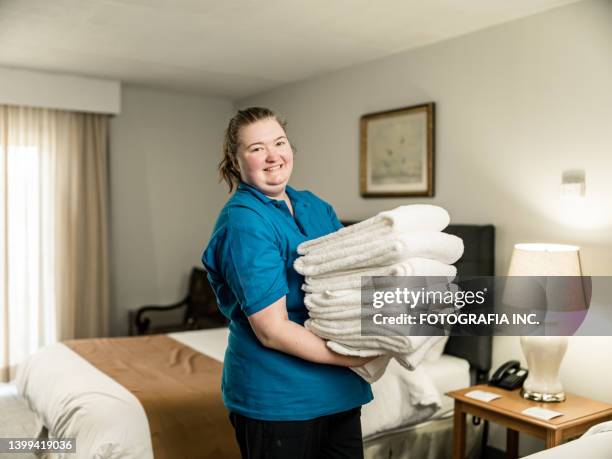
pixel 328 437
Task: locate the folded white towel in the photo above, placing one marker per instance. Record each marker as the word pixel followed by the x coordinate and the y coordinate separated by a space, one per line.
pixel 351 272
pixel 351 280
pixel 334 301
pixel 374 369
pixel 418 217
pixel 412 360
pixel 408 358
pixel 350 297
pixel 434 245
pixel 323 313
pixel 366 346
pixel 337 310
pixel 316 309
pixel 443 247
pixel 349 333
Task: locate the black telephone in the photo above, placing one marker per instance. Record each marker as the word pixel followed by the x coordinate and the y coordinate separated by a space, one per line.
pixel 509 376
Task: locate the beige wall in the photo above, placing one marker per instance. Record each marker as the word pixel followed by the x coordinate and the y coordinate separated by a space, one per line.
pixel 516 104
pixel 165 148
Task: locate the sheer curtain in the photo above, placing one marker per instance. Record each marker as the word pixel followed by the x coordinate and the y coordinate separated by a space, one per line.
pixel 53 229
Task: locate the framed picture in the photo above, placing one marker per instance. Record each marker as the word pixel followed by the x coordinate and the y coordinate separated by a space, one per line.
pixel 397 152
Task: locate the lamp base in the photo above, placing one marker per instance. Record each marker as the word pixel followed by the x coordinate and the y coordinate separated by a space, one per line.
pixel 540 397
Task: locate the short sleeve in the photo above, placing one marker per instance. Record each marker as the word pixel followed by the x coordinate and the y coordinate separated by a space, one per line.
pixel 253 267
pixel 334 218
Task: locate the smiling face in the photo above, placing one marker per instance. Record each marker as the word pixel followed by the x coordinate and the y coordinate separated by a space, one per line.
pixel 265 158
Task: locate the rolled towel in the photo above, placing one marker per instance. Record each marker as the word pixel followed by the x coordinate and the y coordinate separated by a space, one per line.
pixel 438 246
pixel 351 280
pixel 417 217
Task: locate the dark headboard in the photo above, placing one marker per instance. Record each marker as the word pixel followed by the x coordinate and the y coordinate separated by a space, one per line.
pixel 478 260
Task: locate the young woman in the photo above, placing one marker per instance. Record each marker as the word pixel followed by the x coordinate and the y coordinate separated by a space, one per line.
pixel 288 394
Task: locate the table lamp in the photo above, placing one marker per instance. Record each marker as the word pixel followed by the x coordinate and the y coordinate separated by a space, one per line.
pixel 545 353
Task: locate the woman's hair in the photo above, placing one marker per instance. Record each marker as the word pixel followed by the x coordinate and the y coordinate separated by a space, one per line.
pixel 228 167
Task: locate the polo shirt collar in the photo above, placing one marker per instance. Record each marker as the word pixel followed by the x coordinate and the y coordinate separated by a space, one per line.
pixel 255 192
pixel 296 198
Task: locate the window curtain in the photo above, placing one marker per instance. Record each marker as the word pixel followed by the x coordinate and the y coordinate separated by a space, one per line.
pixel 53 228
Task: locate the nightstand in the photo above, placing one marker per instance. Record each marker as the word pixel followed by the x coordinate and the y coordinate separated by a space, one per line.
pixel 579 413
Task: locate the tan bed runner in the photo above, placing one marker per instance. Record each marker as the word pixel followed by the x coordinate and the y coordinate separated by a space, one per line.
pixel 179 388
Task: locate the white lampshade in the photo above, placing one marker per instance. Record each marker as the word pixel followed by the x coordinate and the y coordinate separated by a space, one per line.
pixel 545 353
pixel 559 270
pixel 545 260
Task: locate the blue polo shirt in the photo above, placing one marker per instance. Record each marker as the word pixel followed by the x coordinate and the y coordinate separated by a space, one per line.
pixel 250 265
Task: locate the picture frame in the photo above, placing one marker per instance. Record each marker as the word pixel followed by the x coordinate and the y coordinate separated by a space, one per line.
pixel 397 152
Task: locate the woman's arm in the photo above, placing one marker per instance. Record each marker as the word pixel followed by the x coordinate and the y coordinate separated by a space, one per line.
pixel 274 330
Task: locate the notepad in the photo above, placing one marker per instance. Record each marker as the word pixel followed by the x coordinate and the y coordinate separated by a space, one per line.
pixel 541 413
pixel 482 395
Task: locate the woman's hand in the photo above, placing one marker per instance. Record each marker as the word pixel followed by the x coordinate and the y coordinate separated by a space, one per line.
pixel 274 330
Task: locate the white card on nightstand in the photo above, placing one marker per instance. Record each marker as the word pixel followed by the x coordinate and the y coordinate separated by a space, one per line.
pixel 541 413
pixel 482 395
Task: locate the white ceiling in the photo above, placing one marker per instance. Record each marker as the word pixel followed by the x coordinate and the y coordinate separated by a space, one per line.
pixel 232 48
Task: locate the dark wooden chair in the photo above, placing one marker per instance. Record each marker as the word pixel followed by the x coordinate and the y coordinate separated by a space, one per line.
pixel 200 306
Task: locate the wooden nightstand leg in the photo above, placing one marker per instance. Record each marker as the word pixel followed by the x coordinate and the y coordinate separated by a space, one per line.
pixel 553 438
pixel 512 442
pixel 459 431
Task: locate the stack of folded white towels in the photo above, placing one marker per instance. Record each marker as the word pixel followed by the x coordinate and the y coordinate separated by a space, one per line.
pixel 406 241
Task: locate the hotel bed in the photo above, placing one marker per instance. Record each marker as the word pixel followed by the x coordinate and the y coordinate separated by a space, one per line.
pixel 77 400
pixel 596 443
pixel 160 395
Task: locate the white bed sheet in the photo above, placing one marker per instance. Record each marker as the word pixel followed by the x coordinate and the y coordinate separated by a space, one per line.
pixel 209 342
pixel 448 373
pixel 73 399
pixel 76 400
pixel 393 410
